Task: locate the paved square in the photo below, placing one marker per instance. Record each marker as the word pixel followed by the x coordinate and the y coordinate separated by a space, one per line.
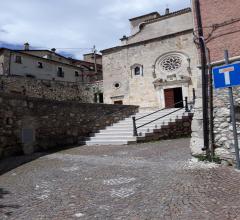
pixel 146 181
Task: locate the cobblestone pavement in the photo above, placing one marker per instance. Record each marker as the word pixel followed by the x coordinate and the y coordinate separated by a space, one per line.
pixel 146 181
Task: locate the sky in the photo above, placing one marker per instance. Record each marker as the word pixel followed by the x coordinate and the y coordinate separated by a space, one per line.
pixel 73 26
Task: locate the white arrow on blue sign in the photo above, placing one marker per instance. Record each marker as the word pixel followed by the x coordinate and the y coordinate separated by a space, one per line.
pixel 226 76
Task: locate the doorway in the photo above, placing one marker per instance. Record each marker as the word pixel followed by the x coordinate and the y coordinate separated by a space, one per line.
pixel 120 102
pixel 172 98
pixel 98 97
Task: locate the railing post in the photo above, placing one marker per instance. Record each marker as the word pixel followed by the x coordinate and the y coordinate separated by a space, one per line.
pixel 194 95
pixel 186 104
pixel 134 127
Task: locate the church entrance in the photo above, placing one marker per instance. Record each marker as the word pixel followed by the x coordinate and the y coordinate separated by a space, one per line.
pixel 172 98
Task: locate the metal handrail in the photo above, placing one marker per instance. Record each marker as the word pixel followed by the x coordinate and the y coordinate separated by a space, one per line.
pixel 159 118
pixel 159 110
pixel 135 133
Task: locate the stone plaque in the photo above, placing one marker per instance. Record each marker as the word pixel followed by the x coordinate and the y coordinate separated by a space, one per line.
pixel 28 136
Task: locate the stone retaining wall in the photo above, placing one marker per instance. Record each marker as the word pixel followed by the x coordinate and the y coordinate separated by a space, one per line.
pixel 31 124
pixel 177 129
pixel 223 135
pixel 223 130
pixel 49 89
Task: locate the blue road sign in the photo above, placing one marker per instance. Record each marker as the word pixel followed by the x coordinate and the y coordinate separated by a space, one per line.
pixel 226 76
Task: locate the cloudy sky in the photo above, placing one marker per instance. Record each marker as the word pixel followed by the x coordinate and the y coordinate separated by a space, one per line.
pixel 77 24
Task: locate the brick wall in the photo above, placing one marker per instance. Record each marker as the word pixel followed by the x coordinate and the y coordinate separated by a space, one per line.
pixel 221 23
pixel 51 123
pixel 49 89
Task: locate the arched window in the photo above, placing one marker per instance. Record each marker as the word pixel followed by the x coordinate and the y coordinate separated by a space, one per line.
pixel 137 70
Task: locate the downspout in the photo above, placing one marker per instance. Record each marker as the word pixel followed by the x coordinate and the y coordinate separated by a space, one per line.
pixel 211 122
pixel 204 78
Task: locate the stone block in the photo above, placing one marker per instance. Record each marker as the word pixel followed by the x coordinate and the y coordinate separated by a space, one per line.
pixel 196 146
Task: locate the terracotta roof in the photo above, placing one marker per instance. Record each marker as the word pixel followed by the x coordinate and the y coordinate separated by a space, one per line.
pixel 40 58
pixel 49 51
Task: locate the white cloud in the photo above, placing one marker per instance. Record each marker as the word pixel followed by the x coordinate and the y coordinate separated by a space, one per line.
pixel 73 23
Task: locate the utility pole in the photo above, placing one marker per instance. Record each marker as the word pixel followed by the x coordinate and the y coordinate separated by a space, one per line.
pixel 232 110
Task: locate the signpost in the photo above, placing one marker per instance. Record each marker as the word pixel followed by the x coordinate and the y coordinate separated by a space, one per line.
pixel 228 76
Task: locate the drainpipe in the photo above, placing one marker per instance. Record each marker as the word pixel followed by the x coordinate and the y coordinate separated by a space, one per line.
pixel 204 78
pixel 211 124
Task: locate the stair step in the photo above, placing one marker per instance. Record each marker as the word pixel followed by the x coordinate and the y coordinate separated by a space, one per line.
pixel 112 142
pixel 115 134
pixel 121 133
pixel 108 138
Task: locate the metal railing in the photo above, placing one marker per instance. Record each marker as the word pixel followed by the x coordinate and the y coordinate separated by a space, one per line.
pixel 185 105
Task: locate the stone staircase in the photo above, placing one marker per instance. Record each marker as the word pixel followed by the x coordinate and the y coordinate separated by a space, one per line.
pixel 121 133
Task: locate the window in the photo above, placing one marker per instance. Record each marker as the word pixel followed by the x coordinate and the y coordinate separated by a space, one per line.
pixel 40 65
pixel 95 97
pixel 60 72
pixel 76 73
pixel 171 63
pixel 18 59
pixel 30 76
pixel 116 85
pixel 137 71
pixel 100 97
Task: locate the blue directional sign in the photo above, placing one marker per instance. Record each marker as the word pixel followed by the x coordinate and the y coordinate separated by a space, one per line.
pixel 226 76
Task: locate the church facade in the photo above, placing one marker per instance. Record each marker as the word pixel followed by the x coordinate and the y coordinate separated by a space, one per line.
pixel 156 66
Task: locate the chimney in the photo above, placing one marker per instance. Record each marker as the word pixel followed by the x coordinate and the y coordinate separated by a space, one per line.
pixel 167 11
pixel 53 50
pixel 26 46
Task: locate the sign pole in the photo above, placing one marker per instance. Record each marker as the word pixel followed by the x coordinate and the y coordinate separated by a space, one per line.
pixel 233 116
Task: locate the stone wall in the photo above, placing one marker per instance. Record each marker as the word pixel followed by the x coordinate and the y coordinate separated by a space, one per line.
pixel 223 130
pixel 49 89
pixel 176 22
pixel 31 124
pixel 177 129
pixel 223 136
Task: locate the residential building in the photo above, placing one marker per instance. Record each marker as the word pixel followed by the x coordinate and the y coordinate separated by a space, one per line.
pixel 94 69
pixel 46 64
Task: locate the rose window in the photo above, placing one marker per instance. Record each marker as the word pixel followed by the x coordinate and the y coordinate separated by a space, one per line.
pixel 171 63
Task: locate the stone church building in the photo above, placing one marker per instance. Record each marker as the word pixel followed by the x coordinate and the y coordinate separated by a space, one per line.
pixel 156 66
